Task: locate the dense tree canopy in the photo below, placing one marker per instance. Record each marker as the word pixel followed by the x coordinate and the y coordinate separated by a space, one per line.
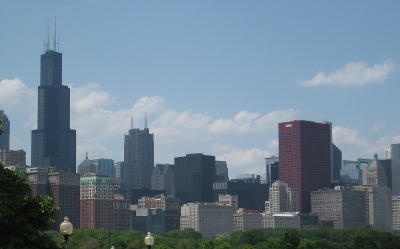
pixel 24 219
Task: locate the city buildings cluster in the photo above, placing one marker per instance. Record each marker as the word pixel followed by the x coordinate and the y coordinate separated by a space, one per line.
pixel 308 185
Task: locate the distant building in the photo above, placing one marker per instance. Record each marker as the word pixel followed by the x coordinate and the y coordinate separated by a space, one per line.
pixel 135 194
pixel 96 201
pixel 221 171
pixel 350 174
pixel 346 207
pixel 210 219
pixel 245 220
pixel 396 214
pixel 272 169
pixel 281 220
pixel 163 178
pixel 100 166
pixel 250 195
pixel 5 136
pixel 12 157
pixel 194 177
pixel 170 206
pixel 336 163
pixel 53 142
pixel 305 157
pixel 229 200
pixel 118 169
pixel 138 158
pixel 282 198
pixel 249 178
pixel 121 213
pixel 395 153
pixel 147 220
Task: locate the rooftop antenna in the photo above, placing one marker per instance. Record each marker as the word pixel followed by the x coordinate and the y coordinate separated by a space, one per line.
pixel 145 120
pixel 48 37
pixel 86 155
pixel 131 122
pixel 55 34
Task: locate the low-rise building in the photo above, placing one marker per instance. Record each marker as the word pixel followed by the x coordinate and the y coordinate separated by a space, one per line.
pixel 281 220
pixel 245 220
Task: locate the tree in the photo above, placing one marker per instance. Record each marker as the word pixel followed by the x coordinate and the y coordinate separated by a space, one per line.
pixel 24 219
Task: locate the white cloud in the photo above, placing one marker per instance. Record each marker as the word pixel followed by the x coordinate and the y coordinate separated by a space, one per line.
pixel 378 126
pixel 246 122
pixel 354 146
pixel 353 73
pixel 15 95
pixel 88 97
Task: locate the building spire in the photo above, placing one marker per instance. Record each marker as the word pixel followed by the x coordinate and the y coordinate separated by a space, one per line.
pixel 145 120
pixel 131 122
pixel 48 36
pixel 55 34
pixel 87 155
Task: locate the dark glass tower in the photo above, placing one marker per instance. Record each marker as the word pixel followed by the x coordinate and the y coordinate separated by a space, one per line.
pixel 53 143
pixel 5 137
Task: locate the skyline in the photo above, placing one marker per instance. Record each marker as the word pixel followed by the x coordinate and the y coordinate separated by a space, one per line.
pixel 213 77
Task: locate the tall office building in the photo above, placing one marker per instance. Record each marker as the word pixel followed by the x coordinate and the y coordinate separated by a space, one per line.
pixel 163 178
pixel 5 136
pixel 282 198
pixel 138 158
pixel 194 177
pixel 336 163
pixel 221 171
pixel 100 166
pixel 272 169
pixel 53 142
pixel 305 157
pixel 395 154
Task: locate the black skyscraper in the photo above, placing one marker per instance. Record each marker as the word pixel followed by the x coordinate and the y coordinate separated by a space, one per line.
pixel 53 143
pixel 194 177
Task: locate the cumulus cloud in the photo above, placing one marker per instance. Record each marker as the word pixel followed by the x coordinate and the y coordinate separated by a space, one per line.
pixel 353 145
pixel 247 122
pixel 15 95
pixel 353 74
pixel 378 126
pixel 88 97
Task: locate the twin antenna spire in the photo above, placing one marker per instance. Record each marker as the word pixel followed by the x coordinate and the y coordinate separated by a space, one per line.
pixel 46 44
pixel 145 121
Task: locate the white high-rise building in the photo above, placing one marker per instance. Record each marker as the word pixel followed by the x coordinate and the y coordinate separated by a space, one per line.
pixel 282 198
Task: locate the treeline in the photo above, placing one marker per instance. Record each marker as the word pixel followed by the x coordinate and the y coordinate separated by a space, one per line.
pixel 283 238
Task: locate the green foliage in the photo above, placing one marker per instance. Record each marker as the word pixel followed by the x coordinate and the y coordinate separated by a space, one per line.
pixel 24 219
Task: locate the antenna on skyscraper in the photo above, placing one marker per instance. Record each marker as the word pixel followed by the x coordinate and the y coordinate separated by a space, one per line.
pixel 131 122
pixel 145 120
pixel 55 34
pixel 48 36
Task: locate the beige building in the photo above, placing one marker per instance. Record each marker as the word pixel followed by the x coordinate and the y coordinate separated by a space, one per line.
pixel 379 198
pixel 346 207
pixel 396 214
pixel 245 220
pixel 229 200
pixel 210 219
pixel 280 220
pixel 12 157
pixel 282 198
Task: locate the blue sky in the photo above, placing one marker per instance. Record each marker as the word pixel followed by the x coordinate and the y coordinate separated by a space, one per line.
pixel 214 77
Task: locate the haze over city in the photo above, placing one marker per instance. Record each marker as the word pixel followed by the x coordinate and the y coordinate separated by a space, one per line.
pixel 213 77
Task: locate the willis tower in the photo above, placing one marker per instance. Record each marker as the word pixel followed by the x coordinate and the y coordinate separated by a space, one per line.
pixel 53 142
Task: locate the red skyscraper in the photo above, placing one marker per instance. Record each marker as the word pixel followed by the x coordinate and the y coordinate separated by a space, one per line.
pixel 305 157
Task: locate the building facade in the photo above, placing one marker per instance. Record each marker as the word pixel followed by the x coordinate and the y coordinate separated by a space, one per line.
pixel 12 157
pixel 395 156
pixel 281 220
pixel 272 169
pixel 194 177
pixel 138 159
pixel 5 136
pixel 282 198
pixel 53 142
pixel 221 171
pixel 305 157
pixel 245 220
pixel 346 207
pixel 96 202
pixel 336 163
pixel 163 178
pixel 102 166
pixel 210 219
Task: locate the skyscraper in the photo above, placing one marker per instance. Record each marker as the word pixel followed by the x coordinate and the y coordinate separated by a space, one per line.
pixel 138 158
pixel 305 159
pixel 53 142
pixel 5 136
pixel 336 163
pixel 395 155
pixel 194 177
